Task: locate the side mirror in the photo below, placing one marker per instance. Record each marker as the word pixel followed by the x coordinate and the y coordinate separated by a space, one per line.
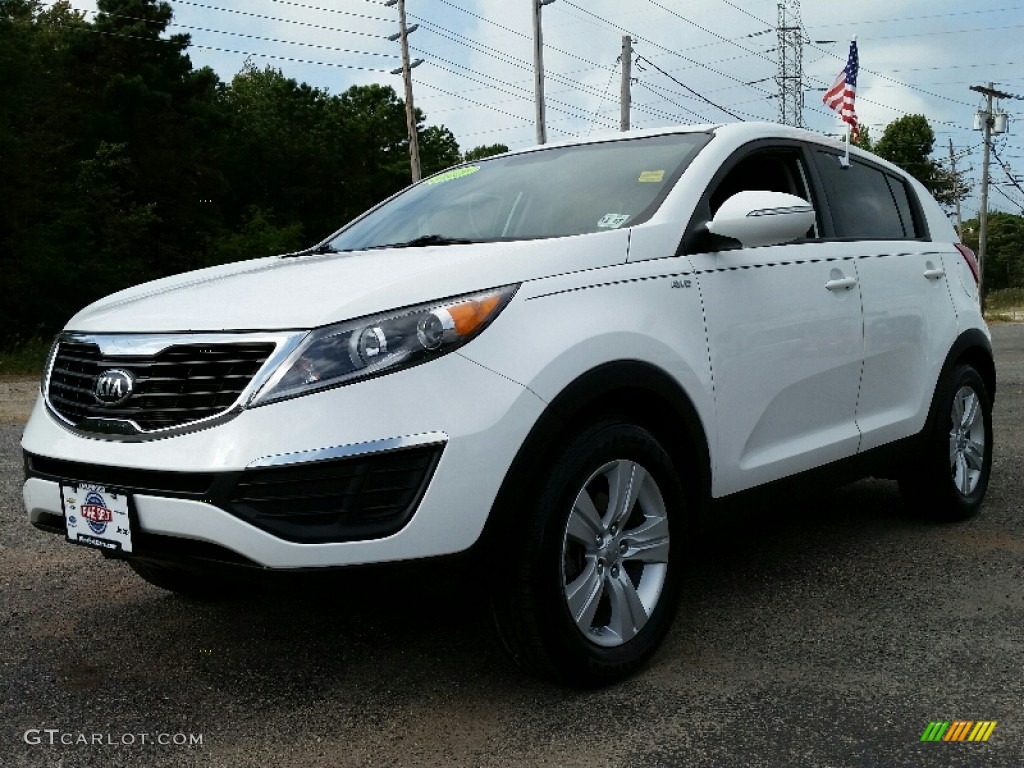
pixel 763 218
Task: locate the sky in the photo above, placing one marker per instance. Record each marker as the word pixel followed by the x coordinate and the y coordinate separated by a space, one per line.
pixel 693 62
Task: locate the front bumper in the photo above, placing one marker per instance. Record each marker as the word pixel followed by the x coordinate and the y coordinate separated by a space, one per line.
pixel 391 469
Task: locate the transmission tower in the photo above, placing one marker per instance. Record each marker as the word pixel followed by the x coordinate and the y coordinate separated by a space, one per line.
pixel 790 75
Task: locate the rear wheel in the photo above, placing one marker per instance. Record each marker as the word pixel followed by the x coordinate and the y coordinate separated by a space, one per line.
pixel 950 479
pixel 595 581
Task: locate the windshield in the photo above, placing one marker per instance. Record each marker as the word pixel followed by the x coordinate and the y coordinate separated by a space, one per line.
pixel 544 193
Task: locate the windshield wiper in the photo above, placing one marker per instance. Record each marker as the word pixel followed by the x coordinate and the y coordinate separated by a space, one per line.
pixel 416 242
pixel 422 240
pixel 322 248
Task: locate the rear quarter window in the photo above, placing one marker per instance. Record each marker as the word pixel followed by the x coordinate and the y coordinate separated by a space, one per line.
pixel 866 202
pixel 912 226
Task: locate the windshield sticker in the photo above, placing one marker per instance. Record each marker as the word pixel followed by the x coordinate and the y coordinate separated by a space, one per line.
pixel 651 176
pixel 612 220
pixel 458 173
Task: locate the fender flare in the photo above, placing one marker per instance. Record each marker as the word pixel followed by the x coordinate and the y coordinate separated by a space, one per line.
pixel 974 347
pixel 634 389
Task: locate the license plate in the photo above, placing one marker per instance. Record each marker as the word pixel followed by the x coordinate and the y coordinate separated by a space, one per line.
pixel 96 516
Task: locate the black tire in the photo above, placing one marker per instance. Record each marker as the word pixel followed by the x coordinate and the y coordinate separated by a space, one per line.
pixel 612 634
pixel 948 482
pixel 185 583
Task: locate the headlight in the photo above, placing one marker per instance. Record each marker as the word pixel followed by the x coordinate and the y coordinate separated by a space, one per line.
pixel 357 349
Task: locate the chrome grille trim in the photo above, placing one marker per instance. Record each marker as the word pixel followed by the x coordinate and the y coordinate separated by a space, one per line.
pixel 225 394
pixel 349 450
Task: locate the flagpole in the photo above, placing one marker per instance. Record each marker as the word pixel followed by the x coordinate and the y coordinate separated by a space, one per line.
pixel 846 160
pixel 849 126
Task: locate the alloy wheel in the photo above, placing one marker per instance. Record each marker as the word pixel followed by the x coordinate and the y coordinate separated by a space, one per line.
pixel 615 553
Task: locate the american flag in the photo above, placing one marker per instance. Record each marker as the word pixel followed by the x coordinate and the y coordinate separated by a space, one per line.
pixel 840 96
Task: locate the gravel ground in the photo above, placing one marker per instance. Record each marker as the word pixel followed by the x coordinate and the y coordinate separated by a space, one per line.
pixel 17 394
pixel 830 635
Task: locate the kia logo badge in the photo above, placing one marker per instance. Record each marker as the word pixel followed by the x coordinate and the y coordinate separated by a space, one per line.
pixel 113 387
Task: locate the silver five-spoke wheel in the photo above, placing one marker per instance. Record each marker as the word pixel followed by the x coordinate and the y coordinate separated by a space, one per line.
pixel 615 553
pixel 596 583
pixel 946 477
pixel 967 440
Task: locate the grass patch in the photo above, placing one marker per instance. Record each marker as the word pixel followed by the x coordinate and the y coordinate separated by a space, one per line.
pixel 1005 298
pixel 999 317
pixel 26 359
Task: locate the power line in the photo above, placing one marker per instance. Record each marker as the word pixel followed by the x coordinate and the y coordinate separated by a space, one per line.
pixel 744 10
pixel 1006 170
pixel 578 113
pixel 235 34
pixel 958 66
pixel 708 31
pixel 331 10
pixel 600 104
pixel 1004 194
pixel 276 18
pixel 221 50
pixel 509 29
pixel 946 32
pixel 668 50
pixel 916 18
pixel 482 104
pixel 688 88
pixel 506 58
pixel 662 95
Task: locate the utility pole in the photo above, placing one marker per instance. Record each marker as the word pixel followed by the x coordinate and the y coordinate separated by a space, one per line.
pixel 988 123
pixel 627 72
pixel 956 190
pixel 406 70
pixel 790 73
pixel 538 70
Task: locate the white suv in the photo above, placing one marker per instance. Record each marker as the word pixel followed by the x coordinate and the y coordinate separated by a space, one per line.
pixel 558 359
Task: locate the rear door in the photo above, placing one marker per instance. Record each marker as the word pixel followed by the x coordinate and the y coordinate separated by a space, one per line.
pixel 909 317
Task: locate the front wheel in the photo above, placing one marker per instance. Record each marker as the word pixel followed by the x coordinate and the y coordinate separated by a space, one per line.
pixel 595 581
pixel 950 479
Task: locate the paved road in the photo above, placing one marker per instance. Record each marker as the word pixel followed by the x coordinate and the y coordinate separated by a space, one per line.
pixel 829 636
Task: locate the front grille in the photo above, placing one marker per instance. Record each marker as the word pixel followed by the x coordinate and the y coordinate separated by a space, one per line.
pixel 363 497
pixel 179 385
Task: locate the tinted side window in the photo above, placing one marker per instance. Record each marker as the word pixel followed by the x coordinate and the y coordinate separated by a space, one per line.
pixel 861 201
pixel 901 195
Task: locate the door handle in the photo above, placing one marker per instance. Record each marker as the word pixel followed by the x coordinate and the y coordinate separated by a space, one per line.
pixel 841 284
pixel 934 274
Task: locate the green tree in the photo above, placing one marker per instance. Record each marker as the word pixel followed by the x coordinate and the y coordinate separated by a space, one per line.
pixel 908 142
pixel 258 236
pixel 438 149
pixel 281 151
pixel 1004 249
pixel 487 150
pixel 120 162
pixel 378 153
pixel 104 152
pixel 863 140
pixel 165 113
pixel 37 113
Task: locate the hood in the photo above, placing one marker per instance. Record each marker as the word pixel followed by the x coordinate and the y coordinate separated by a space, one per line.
pixel 278 293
